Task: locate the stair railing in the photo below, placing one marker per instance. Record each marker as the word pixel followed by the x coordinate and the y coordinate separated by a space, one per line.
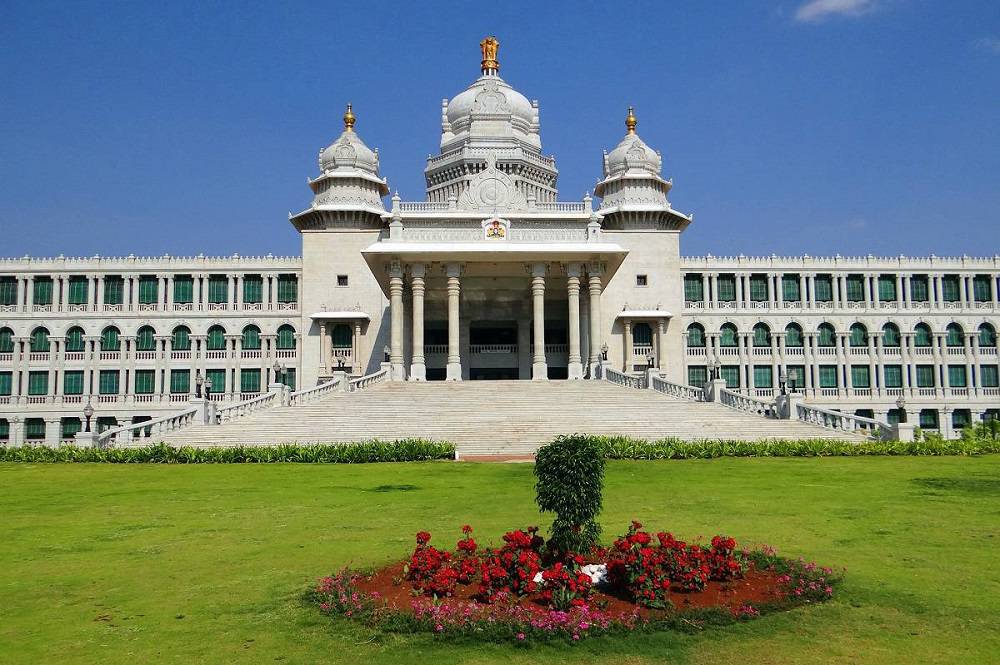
pixel 661 385
pixel 241 409
pixel 126 434
pixel 300 397
pixel 368 380
pixel 842 422
pixel 624 380
pixel 747 404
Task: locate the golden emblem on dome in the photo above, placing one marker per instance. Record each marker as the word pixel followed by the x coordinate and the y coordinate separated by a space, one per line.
pixel 349 119
pixel 630 121
pixel 489 46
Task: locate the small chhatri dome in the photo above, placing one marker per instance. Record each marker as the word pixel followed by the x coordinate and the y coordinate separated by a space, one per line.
pixel 632 155
pixel 348 151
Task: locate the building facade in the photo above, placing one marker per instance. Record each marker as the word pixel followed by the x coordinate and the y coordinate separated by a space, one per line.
pixel 491 277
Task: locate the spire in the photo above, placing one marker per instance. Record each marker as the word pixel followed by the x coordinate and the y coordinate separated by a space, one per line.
pixel 630 121
pixel 349 119
pixel 489 46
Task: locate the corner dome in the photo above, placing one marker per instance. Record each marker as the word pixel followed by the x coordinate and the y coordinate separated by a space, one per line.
pixel 632 155
pixel 348 151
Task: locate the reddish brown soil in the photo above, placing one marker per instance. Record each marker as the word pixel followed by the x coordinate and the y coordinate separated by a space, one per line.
pixel 754 588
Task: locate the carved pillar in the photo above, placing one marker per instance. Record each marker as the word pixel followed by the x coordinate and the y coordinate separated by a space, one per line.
pixel 539 368
pixel 396 321
pixel 596 338
pixel 626 345
pixel 324 368
pixel 418 370
pixel 454 367
pixel 573 293
pixel 661 345
pixel 357 368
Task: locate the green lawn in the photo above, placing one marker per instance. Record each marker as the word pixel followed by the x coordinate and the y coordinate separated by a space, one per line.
pixel 205 563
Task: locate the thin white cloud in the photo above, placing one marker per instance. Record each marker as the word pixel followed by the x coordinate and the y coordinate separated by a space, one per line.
pixel 989 44
pixel 819 10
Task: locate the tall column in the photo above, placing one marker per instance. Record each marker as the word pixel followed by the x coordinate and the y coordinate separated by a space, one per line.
pixel 396 321
pixel 661 345
pixel 627 345
pixel 810 296
pixel 906 297
pixel 876 300
pixel 170 292
pixel 899 290
pixel 706 297
pixel 904 354
pixel 935 291
pixel 539 368
pixel 454 368
pixel 357 367
pixel 778 289
pixel 939 371
pixel 573 292
pixel 963 290
pixel 418 370
pixel 739 290
pixel 868 290
pixel 323 346
pixel 239 291
pixel 835 289
pixel 596 339
pixel 29 293
pixel 712 297
pixel 807 352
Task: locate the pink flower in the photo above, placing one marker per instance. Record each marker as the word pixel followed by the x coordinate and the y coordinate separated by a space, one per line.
pixel 520 636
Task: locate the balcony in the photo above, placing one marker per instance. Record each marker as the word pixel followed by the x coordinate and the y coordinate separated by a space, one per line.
pixel 485 349
pixel 697 351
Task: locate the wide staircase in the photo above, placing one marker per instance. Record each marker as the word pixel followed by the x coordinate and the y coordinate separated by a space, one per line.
pixel 495 417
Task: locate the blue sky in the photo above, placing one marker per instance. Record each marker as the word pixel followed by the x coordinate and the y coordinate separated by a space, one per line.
pixel 788 127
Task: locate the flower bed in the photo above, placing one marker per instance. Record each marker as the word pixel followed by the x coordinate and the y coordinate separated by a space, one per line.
pixel 524 590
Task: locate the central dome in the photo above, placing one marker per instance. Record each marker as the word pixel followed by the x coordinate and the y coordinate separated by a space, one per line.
pixel 489 95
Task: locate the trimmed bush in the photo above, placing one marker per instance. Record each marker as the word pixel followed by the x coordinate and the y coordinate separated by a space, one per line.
pixel 570 473
pixel 403 450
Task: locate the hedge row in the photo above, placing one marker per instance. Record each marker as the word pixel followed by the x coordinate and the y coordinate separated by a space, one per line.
pixel 403 450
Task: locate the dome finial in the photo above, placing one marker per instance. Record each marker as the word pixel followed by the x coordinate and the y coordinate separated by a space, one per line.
pixel 489 46
pixel 349 119
pixel 630 121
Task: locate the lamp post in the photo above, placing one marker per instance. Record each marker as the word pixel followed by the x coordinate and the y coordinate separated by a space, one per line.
pixel 208 387
pixel 340 363
pixel 385 352
pixel 901 405
pixel 713 368
pixel 198 381
pixel 604 351
pixel 649 361
pixel 88 413
pixel 791 384
pixel 782 381
pixel 277 371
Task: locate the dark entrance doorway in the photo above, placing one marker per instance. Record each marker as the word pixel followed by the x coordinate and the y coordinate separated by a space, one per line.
pixel 493 374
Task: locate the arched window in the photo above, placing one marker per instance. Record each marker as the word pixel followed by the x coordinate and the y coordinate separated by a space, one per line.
pixel 727 335
pixel 696 336
pixel 827 336
pixel 216 338
pixel 793 336
pixel 109 339
pixel 180 339
pixel 145 339
pixel 39 340
pixel 642 335
pixel 956 336
pixel 922 335
pixel 890 335
pixel 74 339
pixel 761 335
pixel 286 337
pixel 341 336
pixel 987 336
pixel 251 338
pixel 859 335
pixel 6 340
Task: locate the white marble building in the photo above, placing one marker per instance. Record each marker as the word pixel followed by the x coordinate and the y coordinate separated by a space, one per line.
pixel 491 277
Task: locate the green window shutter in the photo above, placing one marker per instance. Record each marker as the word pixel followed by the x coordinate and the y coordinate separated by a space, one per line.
pixel 960 418
pixel 148 290
pixel 34 429
pixel 38 383
pixel 697 375
pixel 288 378
pixel 250 380
pixel 956 376
pixel 989 376
pixel 790 291
pixel 824 288
pixel 70 426
pixel 731 375
pixel 110 340
pixel 288 290
pixel 4 429
pixel 727 336
pixel 114 290
pixel 761 336
pixel 74 340
pixel 860 376
pixel 216 339
pixel 180 340
pixel 342 335
pixel 727 288
pixel 950 288
pixel 146 339
pixel 925 376
pixel 695 337
pixel 108 382
pixel 928 419
pixel 762 377
pixel 218 289
pixel 253 289
pixel 693 288
pixel 859 337
pixel 145 381
pixel 43 291
pixel 793 337
pixel 73 382
pixel 180 381
pixel 251 338
pixel 919 291
pixel 827 336
pixel 105 423
pixel 286 337
pixel 922 336
pixel 6 341
pixel 955 336
pixel 78 290
pixel 887 288
pixel 796 374
pixel 218 377
pixel 855 288
pixel 8 290
pixel 987 336
pixel 981 291
pixel 40 340
pixel 893 376
pixel 828 376
pixel 890 336
pixel 5 383
pixel 758 288
pixel 183 289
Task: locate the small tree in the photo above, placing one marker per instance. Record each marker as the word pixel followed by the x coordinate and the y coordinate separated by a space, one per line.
pixel 570 473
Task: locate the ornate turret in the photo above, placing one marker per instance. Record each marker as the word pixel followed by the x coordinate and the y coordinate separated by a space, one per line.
pixel 633 189
pixel 490 119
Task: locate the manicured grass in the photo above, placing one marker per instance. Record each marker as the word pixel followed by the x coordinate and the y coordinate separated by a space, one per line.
pixel 205 564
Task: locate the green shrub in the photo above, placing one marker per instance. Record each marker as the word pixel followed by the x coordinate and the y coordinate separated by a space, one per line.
pixel 570 473
pixel 403 450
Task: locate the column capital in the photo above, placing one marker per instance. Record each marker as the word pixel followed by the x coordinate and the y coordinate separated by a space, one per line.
pixel 417 270
pixel 454 269
pixel 595 268
pixel 572 269
pixel 538 269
